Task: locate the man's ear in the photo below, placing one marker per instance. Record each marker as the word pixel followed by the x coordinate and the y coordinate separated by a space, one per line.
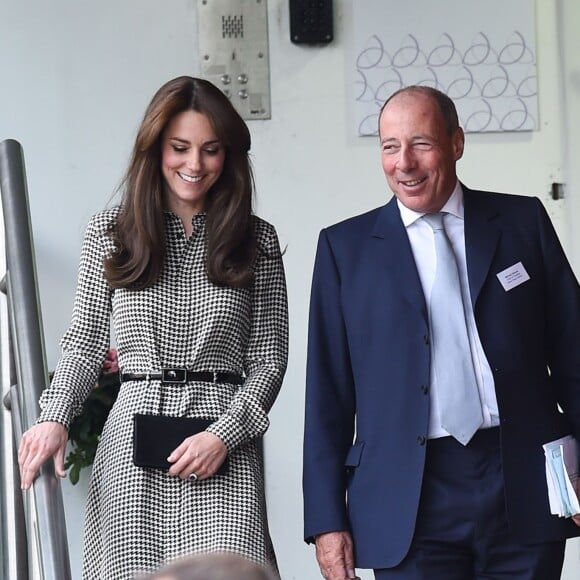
pixel 458 143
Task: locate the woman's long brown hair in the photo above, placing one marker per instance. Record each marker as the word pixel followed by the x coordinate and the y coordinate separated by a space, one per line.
pixel 139 232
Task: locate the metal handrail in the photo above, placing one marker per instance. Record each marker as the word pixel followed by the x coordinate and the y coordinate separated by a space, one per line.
pixel 45 520
pixel 13 545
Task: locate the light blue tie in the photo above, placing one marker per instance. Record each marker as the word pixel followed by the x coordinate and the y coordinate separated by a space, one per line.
pixel 461 413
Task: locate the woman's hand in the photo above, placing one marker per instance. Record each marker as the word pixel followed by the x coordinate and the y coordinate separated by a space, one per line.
pixel 201 455
pixel 40 442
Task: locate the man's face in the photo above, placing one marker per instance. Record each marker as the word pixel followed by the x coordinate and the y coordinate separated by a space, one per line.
pixel 418 155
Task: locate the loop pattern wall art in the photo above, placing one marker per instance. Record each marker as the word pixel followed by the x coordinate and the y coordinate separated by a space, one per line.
pixel 482 54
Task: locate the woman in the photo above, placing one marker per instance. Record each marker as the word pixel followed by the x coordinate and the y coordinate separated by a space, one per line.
pixel 195 286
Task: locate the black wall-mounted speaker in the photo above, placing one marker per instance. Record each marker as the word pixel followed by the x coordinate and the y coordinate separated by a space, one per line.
pixel 311 21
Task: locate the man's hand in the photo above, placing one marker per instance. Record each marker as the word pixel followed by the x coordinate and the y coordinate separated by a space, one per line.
pixel 576 519
pixel 334 555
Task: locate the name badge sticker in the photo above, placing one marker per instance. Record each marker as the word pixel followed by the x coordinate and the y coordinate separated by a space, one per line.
pixel 513 276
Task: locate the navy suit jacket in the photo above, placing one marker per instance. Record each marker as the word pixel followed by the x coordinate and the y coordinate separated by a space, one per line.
pixel 367 396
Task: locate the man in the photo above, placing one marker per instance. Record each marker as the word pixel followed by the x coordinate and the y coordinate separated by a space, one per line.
pixel 390 482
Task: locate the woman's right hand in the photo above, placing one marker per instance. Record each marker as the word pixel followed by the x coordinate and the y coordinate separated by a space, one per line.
pixel 40 442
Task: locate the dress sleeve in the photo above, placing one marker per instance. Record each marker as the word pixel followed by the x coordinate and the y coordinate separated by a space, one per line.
pixel 266 355
pixel 85 343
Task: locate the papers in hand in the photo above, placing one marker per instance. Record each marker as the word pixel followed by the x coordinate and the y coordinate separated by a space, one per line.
pixel 562 476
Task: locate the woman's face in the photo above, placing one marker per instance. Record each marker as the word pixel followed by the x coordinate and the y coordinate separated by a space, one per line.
pixel 192 160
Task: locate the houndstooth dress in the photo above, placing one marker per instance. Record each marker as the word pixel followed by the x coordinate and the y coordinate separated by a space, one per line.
pixel 138 519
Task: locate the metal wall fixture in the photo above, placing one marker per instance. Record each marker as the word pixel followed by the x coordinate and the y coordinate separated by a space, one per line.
pixel 233 48
pixel 311 21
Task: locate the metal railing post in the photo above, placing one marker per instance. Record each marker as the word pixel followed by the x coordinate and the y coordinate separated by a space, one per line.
pixel 46 528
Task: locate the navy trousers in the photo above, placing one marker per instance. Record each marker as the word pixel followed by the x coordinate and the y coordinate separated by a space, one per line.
pixel 462 531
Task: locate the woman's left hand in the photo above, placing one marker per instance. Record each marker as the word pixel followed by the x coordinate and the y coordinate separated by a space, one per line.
pixel 201 455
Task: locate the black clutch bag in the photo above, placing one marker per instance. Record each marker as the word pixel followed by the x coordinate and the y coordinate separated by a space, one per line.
pixel 156 436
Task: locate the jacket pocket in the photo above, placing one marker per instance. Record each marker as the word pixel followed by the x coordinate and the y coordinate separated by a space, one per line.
pixel 354 455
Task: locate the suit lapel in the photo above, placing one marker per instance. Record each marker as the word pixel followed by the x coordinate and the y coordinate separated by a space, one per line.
pixel 394 252
pixel 482 234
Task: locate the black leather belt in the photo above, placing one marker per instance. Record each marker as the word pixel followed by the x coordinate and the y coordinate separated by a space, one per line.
pixel 182 376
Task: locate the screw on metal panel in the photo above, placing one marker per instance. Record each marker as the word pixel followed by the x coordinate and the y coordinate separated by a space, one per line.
pixel 226 80
pixel 243 94
pixel 260 55
pixel 206 57
pixel 243 79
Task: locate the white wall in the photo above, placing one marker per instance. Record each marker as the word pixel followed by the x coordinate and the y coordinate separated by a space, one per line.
pixel 76 77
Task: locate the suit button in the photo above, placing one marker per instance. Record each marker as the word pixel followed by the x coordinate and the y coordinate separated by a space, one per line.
pixel 426 339
pixel 425 389
pixel 421 439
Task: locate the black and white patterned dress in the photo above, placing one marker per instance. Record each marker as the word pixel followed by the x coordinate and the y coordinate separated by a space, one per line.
pixel 136 518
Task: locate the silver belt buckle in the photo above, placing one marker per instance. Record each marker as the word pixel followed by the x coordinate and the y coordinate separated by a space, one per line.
pixel 174 376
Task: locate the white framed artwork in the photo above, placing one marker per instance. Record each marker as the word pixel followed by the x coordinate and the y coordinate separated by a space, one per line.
pixel 482 54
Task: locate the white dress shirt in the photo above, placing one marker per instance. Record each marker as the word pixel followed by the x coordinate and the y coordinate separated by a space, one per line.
pixel 422 242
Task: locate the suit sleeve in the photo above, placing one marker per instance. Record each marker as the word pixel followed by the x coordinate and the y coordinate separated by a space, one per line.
pixel 562 320
pixel 330 400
